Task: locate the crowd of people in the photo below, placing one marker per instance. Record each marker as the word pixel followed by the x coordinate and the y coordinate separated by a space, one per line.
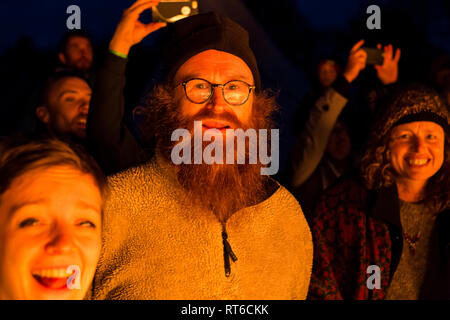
pixel 92 208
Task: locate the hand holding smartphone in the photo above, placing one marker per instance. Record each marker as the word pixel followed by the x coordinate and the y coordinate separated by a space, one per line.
pixel 374 56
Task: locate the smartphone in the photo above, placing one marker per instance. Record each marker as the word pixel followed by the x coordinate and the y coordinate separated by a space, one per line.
pixel 171 11
pixel 374 56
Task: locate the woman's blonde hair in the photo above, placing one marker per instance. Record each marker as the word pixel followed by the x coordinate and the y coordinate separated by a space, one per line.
pixel 20 157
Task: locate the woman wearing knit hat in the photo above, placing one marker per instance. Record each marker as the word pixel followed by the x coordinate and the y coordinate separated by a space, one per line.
pixel 386 236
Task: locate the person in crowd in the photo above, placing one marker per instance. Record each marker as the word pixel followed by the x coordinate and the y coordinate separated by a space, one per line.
pixel 338 161
pixel 64 106
pixel 321 153
pixel 76 53
pixel 109 138
pixel 220 231
pixel 328 70
pixel 385 236
pixel 51 197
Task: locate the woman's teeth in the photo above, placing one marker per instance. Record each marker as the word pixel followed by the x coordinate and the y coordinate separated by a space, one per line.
pixel 417 162
pixel 52 273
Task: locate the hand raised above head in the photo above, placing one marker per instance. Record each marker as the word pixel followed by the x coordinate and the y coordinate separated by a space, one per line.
pixel 356 61
pixel 388 71
pixel 130 30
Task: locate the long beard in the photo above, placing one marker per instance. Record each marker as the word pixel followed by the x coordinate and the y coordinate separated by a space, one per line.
pixel 222 188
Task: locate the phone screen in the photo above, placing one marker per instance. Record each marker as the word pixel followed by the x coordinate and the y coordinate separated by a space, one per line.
pixel 173 10
pixel 374 56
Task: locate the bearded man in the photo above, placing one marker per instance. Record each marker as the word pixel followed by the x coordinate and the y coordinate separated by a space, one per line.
pixel 202 231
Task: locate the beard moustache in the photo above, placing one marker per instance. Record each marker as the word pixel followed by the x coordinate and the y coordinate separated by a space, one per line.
pixel 83 64
pixel 221 188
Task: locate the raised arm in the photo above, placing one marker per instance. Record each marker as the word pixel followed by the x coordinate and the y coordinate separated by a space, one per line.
pixel 109 140
pixel 311 144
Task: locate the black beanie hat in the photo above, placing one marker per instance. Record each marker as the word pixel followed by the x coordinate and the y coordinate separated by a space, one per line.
pixel 202 32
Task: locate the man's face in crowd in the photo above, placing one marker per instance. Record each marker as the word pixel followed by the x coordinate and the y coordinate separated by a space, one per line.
pixel 67 108
pixel 216 67
pixel 235 186
pixel 50 219
pixel 78 54
pixel 417 150
pixel 327 74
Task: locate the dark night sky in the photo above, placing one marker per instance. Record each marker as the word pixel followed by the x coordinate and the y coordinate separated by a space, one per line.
pixel 299 32
pixel 44 20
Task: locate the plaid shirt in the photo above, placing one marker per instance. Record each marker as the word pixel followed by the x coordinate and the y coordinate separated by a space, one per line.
pixel 354 228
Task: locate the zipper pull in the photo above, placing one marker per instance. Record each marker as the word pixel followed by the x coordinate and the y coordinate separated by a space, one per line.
pixel 227 253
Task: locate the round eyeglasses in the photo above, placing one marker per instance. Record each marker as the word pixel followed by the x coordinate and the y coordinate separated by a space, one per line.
pixel 235 92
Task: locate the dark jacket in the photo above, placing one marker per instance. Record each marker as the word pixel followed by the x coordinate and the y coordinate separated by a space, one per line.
pixel 108 137
pixel 355 228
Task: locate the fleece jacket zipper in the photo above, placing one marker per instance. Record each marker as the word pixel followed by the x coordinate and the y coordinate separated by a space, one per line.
pixel 227 252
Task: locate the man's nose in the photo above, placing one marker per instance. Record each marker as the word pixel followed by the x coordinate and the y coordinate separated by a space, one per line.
pixel 84 106
pixel 83 51
pixel 61 241
pixel 217 101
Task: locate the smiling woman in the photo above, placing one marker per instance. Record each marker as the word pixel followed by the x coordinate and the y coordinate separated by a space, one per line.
pixel 398 216
pixel 412 130
pixel 51 199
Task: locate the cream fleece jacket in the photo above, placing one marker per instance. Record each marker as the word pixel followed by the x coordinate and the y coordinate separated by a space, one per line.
pixel 158 246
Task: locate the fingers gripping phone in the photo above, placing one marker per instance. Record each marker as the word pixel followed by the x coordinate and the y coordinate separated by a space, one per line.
pixel 374 56
pixel 173 10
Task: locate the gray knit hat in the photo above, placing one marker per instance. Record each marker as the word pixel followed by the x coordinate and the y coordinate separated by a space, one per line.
pixel 412 103
pixel 203 32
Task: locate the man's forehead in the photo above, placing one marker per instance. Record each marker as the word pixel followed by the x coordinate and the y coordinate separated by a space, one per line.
pixel 71 83
pixel 75 40
pixel 211 62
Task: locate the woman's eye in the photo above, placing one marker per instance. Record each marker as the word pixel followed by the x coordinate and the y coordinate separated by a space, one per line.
pixel 28 222
pixel 87 223
pixel 431 137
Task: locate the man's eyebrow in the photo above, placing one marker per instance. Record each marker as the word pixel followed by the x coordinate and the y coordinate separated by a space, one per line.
pixel 71 91
pixel 66 91
pixel 232 77
pixel 242 78
pixel 190 76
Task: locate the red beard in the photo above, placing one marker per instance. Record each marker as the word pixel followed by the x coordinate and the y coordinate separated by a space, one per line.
pixel 222 188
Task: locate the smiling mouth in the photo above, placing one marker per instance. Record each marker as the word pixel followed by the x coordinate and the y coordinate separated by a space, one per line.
pixel 82 122
pixel 418 162
pixel 55 278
